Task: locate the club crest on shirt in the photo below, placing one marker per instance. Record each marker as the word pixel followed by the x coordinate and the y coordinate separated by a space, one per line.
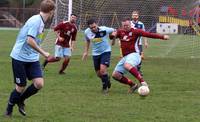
pixel 125 37
pixel 67 33
pixel 91 36
pixel 101 34
pixel 72 30
pixel 130 33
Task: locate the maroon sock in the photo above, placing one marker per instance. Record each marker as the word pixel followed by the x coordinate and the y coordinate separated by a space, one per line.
pixel 137 75
pixel 127 81
pixel 64 65
pixel 52 59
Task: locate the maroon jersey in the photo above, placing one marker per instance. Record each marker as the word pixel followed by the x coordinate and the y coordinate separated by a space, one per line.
pixel 68 31
pixel 130 39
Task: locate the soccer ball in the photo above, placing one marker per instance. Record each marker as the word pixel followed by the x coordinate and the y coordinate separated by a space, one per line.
pixel 143 90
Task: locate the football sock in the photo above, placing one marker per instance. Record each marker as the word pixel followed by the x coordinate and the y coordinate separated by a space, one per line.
pixel 31 90
pixel 105 80
pixel 135 73
pixel 127 81
pixel 109 83
pixel 64 65
pixel 9 108
pixel 14 97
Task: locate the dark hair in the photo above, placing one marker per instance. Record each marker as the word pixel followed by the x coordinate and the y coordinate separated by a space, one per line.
pixel 47 5
pixel 126 19
pixel 91 21
pixel 74 15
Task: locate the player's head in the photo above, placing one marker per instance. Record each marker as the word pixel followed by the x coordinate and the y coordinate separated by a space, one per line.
pixel 47 7
pixel 126 23
pixel 73 18
pixel 135 15
pixel 92 25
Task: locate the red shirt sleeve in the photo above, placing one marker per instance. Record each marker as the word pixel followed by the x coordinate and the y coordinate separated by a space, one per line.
pixel 140 32
pixel 58 27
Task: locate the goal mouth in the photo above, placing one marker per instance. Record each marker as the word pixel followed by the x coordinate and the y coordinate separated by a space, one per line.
pixel 184 44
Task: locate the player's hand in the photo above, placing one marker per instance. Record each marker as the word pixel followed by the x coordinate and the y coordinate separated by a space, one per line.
pixel 85 54
pixel 166 37
pixel 114 33
pixel 71 48
pixel 46 54
pixel 61 39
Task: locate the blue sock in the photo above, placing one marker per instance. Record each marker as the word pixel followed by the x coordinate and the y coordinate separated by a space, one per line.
pixel 31 90
pixel 105 80
pixel 14 99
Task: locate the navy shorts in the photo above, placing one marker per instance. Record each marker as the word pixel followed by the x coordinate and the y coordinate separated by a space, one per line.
pixel 104 59
pixel 140 48
pixel 23 70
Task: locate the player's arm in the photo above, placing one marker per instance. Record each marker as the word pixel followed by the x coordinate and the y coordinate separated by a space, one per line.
pixel 35 46
pixel 145 38
pixel 72 44
pixel 109 30
pixel 140 32
pixel 58 35
pixel 57 30
pixel 113 36
pixel 86 48
pixel 73 40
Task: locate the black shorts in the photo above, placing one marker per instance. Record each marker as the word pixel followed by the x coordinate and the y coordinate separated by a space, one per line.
pixel 23 70
pixel 104 59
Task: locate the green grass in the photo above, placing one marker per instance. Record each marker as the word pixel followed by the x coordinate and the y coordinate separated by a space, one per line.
pixel 76 97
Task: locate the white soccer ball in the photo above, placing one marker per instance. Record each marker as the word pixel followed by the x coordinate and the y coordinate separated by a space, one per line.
pixel 143 90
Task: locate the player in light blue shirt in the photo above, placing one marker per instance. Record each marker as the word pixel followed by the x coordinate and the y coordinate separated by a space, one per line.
pixel 101 50
pixel 22 50
pixel 25 58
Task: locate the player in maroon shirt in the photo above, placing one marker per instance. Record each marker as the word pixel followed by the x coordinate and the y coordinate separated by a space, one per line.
pixel 66 35
pixel 129 38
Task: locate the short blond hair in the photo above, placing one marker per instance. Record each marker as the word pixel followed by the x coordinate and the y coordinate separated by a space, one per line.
pixel 135 12
pixel 47 5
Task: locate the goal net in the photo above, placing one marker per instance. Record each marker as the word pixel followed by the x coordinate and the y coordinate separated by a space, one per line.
pixel 62 12
pixel 179 18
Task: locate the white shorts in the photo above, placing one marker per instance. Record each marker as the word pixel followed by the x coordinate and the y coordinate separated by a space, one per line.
pixel 133 58
pixel 62 51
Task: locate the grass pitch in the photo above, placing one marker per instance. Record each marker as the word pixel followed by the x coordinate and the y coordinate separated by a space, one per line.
pixel 171 69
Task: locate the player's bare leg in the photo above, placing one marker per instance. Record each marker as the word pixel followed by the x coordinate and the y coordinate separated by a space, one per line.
pixel 139 68
pixel 14 99
pixel 103 75
pixel 64 65
pixel 140 65
pixel 38 83
pixel 124 80
pixel 50 59
pixel 133 70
